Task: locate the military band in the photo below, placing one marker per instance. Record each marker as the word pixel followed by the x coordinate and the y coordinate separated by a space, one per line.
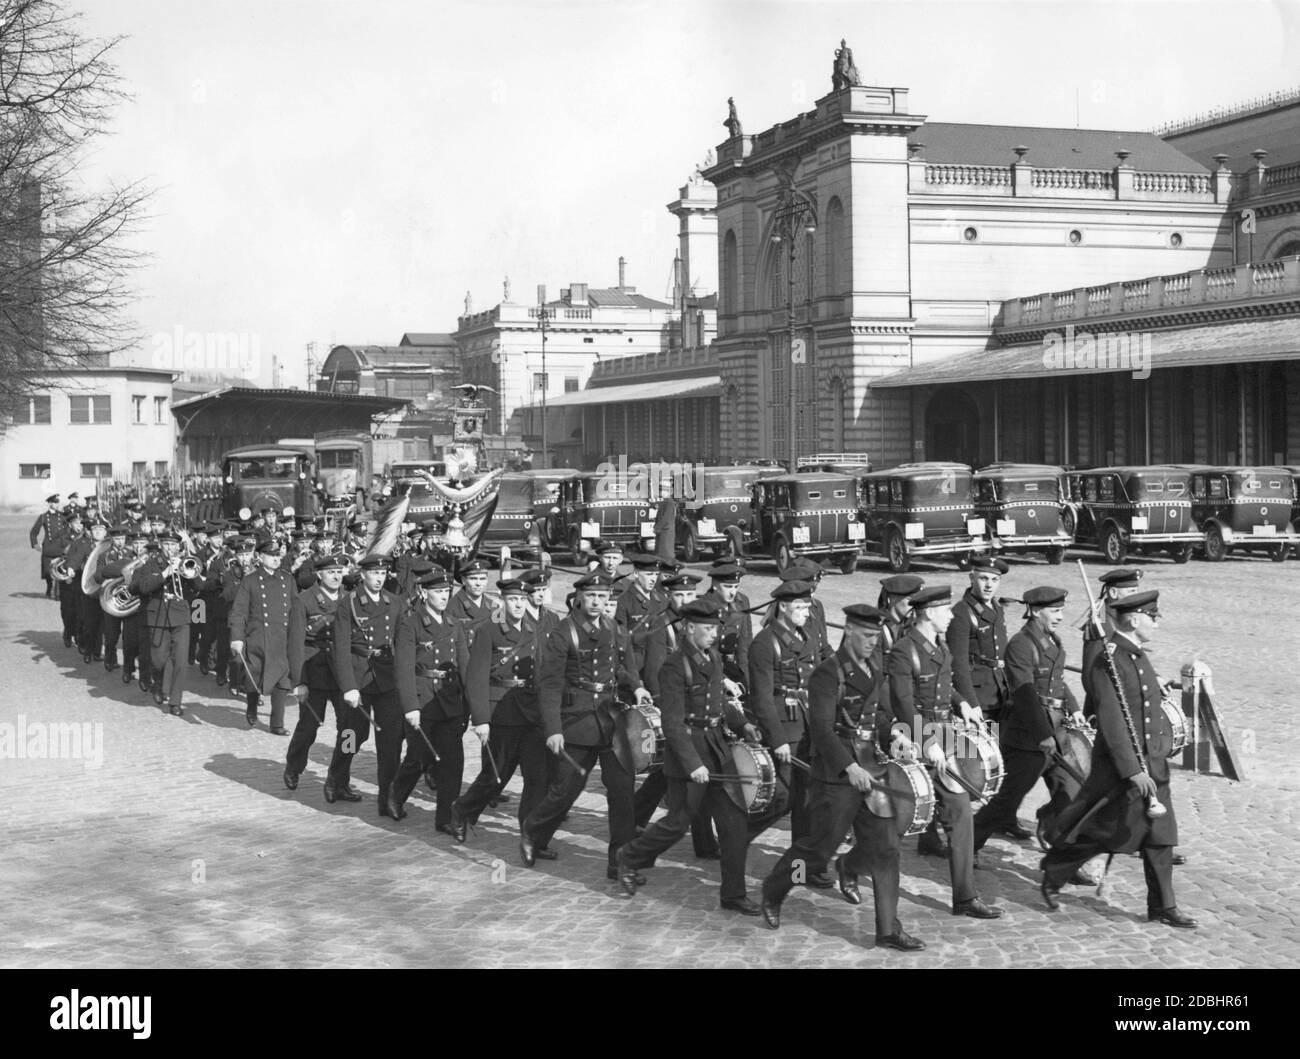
pixel 389 642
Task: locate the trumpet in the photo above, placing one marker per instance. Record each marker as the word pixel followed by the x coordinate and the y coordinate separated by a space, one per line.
pixel 190 568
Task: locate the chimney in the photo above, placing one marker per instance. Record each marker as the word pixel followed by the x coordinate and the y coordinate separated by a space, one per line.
pixel 578 294
pixel 622 271
pixel 678 294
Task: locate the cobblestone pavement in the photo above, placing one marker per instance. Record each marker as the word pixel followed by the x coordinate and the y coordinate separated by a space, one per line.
pixel 182 846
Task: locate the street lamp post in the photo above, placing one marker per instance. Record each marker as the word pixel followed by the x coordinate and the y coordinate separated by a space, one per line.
pixel 797 212
pixel 541 321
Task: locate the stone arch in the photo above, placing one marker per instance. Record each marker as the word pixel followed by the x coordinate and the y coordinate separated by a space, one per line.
pixel 838 410
pixel 836 241
pixel 1285 244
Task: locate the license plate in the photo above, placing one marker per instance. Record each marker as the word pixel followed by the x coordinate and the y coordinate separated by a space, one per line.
pixel 1140 524
pixel 707 527
pixel 801 535
pixel 647 529
pixel 857 531
pixel 591 529
pixel 1006 527
pixel 914 531
pixel 1264 531
pixel 975 526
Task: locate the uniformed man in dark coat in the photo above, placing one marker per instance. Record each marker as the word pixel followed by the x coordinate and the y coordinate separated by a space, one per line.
pixel 470 607
pixel 311 671
pixel 641 604
pixel 219 556
pixel 77 546
pixel 781 662
pixel 810 573
pixel 135 639
pixel 92 614
pixel 365 626
pixel 111 563
pixel 737 631
pixel 608 559
pixel 1039 703
pixel 1113 811
pixel 977 638
pixel 850 723
pixel 894 594
pixel 502 691
pixel 1116 585
pixel 694 706
pixel 922 698
pixel 538 583
pixel 45 534
pixel 259 633
pixel 230 670
pixel 432 657
pixel 583 662
pixel 167 598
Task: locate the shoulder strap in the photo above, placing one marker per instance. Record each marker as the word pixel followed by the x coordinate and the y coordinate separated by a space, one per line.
pixel 686 666
pixel 573 636
pixel 916 655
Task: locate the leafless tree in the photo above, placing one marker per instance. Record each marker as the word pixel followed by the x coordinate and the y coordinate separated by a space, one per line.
pixel 65 249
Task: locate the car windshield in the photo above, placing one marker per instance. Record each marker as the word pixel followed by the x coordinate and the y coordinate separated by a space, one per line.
pixel 1029 489
pixel 278 467
pixel 944 486
pixel 516 494
pixel 731 482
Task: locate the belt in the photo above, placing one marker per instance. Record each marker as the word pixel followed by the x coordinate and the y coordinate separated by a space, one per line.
pixel 856 733
pixel 509 682
pixel 940 715
pixel 436 672
pixel 703 722
pixel 794 693
pixel 592 686
pixel 1050 703
pixel 992 663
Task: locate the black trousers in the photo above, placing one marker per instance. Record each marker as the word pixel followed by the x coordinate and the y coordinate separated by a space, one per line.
pixel 387 712
pixel 833 809
pixel 1061 863
pixel 513 747
pixel 653 790
pixel 448 768
pixel 953 812
pixel 796 782
pixel 92 625
pixel 135 643
pixel 304 733
pixel 168 648
pixel 70 611
pixel 112 633
pixel 688 801
pixel 1021 769
pixel 203 633
pixel 221 642
pixel 568 783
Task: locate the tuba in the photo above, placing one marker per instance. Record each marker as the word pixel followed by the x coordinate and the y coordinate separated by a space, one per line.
pixel 89 582
pixel 115 596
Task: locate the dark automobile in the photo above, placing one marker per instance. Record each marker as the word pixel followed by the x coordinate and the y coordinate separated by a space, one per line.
pixel 812 513
pixel 526 518
pixel 1022 505
pixel 719 516
pixel 1245 509
pixel 921 509
pixel 1142 509
pixel 597 507
pixel 276 476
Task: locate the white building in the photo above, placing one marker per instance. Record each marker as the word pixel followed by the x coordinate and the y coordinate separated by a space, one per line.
pixel 90 423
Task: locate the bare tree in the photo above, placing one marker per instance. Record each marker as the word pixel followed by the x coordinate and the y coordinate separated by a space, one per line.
pixel 65 253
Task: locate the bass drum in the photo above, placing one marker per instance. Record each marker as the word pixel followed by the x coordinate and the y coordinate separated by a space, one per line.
pixel 643 727
pixel 1075 741
pixel 906 796
pixel 755 791
pixel 1171 706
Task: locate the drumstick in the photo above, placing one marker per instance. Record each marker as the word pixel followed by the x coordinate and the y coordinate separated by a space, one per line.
pixel 961 780
pixel 1062 763
pixel 493 762
pixel 578 768
pixel 800 764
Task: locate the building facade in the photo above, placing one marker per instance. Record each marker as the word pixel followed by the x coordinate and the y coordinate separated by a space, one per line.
pixel 90 424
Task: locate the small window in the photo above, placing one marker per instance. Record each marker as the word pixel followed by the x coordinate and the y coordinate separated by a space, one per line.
pixel 840 494
pixel 33 470
pixel 1076 237
pixel 1106 489
pixel 38 409
pixel 90 409
pixel 97 470
pixel 570 384
pixel 1176 240
pixel 588 340
pixel 160 410
pixel 137 408
pixel 139 470
pixel 1155 487
pixel 970 235
pixel 896 491
pixel 1218 489
pixel 160 468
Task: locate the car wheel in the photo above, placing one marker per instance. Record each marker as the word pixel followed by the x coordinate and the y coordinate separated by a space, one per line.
pixel 1067 521
pixel 896 553
pixel 849 562
pixel 575 547
pixel 1182 553
pixel 690 545
pixel 1278 553
pixel 1113 547
pixel 1215 550
pixel 1055 556
pixel 781 555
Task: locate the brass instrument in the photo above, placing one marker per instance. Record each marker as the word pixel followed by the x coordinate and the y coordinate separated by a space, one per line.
pixel 89 582
pixel 115 595
pixel 191 567
pixel 60 572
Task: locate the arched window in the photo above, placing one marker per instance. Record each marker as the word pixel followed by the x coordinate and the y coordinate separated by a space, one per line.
pixel 836 239
pixel 730 276
pixel 1289 249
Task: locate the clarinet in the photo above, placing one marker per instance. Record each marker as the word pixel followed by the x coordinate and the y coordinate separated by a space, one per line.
pixel 1154 808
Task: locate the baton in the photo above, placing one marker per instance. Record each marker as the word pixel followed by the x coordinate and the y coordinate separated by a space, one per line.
pixel 565 754
pixel 493 762
pixel 307 705
pixel 427 743
pixel 365 713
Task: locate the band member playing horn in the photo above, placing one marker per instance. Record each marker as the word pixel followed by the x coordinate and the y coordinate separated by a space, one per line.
pixel 694 707
pixel 920 685
pixel 259 633
pixel 311 658
pixel 1125 803
pixel 848 715
pixel 364 627
pixel 166 607
pixel 111 564
pixel 92 614
pixel 135 644
pixel 1031 723
pixel 502 692
pixel 583 661
pixel 431 656
pixel 76 550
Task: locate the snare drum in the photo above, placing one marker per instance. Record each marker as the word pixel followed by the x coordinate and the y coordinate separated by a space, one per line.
pixel 756 790
pixel 911 815
pixel 1171 704
pixel 643 726
pixel 975 756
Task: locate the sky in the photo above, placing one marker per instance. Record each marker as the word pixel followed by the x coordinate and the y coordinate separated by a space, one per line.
pixel 339 171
